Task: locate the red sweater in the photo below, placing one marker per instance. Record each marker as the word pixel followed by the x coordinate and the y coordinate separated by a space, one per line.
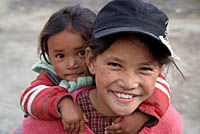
pixel 170 123
pixel 40 100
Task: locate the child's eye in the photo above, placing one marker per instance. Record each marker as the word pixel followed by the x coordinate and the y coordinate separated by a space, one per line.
pixel 146 69
pixel 81 53
pixel 60 56
pixel 114 64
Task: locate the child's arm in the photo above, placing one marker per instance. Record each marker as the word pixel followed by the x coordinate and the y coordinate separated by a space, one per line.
pixel 130 124
pixel 40 100
pixel 151 109
pixel 43 100
pixel 72 117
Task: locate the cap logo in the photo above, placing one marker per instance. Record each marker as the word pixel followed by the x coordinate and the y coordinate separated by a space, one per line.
pixel 164 40
pixel 166 22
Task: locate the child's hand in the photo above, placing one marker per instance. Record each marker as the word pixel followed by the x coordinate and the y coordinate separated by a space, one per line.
pixel 130 124
pixel 72 117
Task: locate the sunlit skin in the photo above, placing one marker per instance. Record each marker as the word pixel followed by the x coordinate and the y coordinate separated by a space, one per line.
pixel 66 51
pixel 125 76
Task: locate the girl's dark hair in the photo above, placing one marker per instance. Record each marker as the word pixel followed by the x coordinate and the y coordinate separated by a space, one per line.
pixel 74 18
pixel 158 51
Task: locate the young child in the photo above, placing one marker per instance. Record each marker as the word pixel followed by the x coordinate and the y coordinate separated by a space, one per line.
pixel 62 70
pixel 47 92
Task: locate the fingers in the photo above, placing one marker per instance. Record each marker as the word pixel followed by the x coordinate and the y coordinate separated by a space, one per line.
pixel 77 127
pixel 73 123
pixel 114 132
pixel 81 130
pixel 66 126
pixel 85 118
pixel 113 129
pixel 117 129
pixel 118 119
pixel 72 127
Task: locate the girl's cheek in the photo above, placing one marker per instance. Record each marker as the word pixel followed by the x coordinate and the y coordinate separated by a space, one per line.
pixel 150 85
pixel 106 74
pixel 103 75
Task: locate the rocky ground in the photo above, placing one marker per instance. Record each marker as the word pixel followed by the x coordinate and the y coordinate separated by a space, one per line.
pixel 22 20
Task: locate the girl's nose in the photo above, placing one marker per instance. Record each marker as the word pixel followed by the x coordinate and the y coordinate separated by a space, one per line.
pixel 71 63
pixel 130 81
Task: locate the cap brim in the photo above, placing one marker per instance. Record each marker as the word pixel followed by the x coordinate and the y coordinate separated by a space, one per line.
pixel 115 30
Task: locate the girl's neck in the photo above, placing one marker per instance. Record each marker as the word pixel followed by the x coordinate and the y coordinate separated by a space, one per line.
pixel 99 104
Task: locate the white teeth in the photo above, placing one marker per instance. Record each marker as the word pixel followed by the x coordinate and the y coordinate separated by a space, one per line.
pixel 124 96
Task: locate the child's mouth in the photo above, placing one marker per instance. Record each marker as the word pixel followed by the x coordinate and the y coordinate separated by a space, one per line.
pixel 77 74
pixel 124 96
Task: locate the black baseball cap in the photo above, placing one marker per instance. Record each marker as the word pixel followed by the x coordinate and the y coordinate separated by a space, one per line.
pixel 132 16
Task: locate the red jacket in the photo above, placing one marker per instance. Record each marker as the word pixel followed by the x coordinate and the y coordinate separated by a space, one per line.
pixel 40 100
pixel 170 123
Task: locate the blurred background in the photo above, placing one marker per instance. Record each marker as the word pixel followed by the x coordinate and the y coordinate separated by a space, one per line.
pixel 22 20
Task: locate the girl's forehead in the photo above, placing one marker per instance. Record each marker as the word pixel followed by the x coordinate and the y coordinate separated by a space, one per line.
pixel 65 40
pixel 124 48
pixel 130 41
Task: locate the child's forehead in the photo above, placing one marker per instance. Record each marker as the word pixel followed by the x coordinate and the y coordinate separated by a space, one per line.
pixel 66 40
pixel 132 39
pixel 128 54
pixel 128 45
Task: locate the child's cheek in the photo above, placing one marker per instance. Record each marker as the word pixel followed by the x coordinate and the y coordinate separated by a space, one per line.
pixel 103 77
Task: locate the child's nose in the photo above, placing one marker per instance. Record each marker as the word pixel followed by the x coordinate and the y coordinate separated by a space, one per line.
pixel 130 80
pixel 71 63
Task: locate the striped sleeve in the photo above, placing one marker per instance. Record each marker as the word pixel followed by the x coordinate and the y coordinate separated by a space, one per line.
pixel 157 104
pixel 162 85
pixel 40 100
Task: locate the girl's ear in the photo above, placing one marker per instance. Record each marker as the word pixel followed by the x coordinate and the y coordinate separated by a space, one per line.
pixel 89 60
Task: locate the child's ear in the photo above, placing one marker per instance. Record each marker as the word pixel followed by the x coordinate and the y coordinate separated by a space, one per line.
pixel 89 60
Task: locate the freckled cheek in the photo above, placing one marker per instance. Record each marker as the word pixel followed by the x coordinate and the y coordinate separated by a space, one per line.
pixel 105 78
pixel 82 63
pixel 59 71
pixel 108 75
pixel 84 68
pixel 87 72
pixel 149 87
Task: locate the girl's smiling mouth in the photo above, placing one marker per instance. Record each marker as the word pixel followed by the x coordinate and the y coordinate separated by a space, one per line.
pixel 124 97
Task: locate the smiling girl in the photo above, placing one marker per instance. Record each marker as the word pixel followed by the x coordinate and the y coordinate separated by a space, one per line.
pixel 125 59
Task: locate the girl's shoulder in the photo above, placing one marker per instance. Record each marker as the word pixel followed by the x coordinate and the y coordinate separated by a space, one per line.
pixel 170 123
pixel 75 93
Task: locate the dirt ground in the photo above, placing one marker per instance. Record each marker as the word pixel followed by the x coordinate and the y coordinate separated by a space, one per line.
pixel 22 20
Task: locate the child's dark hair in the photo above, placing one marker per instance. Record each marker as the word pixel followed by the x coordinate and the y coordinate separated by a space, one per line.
pixel 74 18
pixel 158 51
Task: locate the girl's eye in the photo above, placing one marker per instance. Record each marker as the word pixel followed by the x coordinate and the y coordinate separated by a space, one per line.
pixel 114 64
pixel 81 53
pixel 146 69
pixel 60 56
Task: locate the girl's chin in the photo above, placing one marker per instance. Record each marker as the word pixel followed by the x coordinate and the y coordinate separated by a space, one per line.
pixel 124 112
